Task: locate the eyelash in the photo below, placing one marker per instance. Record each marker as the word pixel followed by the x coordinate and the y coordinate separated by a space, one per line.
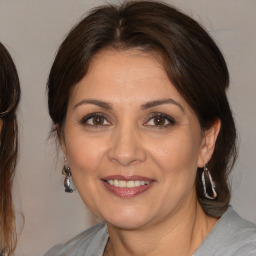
pixel 84 120
pixel 167 118
pixel 170 120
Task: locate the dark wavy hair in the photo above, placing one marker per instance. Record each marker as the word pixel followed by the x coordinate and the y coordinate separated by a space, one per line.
pixel 9 99
pixel 192 61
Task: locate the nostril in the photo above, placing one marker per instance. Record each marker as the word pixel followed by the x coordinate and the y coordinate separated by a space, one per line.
pixel 125 161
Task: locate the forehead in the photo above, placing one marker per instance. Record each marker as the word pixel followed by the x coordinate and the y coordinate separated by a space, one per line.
pixel 125 74
pixel 125 67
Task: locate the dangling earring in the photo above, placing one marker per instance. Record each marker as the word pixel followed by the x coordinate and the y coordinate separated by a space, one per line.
pixel 209 191
pixel 67 181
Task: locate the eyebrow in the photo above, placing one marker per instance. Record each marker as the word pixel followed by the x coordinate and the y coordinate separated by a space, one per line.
pixel 145 106
pixel 156 103
pixel 99 103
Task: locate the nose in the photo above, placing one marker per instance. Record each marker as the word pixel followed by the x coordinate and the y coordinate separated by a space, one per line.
pixel 127 148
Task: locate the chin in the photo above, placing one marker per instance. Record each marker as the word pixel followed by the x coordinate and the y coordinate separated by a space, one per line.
pixel 128 219
pixel 127 224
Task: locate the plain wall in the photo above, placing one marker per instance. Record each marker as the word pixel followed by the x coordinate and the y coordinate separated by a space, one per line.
pixel 32 31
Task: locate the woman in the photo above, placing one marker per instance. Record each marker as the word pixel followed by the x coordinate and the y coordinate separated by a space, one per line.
pixel 9 99
pixel 137 95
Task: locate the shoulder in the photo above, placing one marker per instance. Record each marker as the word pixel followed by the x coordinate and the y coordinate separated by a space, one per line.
pixel 88 242
pixel 232 235
pixel 242 238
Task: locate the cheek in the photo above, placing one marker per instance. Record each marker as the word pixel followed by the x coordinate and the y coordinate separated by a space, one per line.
pixel 84 156
pixel 84 153
pixel 176 156
pixel 176 152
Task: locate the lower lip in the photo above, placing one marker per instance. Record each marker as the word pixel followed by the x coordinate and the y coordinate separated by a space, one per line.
pixel 127 192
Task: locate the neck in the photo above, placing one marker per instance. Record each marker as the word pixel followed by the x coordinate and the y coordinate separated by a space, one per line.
pixel 180 235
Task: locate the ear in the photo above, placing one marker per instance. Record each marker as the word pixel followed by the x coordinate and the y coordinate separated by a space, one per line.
pixel 208 143
pixel 61 138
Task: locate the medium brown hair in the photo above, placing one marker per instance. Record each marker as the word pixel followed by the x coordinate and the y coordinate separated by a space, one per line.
pixel 9 99
pixel 192 61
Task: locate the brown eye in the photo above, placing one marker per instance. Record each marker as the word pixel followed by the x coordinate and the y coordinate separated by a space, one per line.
pixel 98 120
pixel 159 120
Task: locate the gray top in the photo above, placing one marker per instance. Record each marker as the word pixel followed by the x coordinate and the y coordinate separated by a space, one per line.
pixel 231 236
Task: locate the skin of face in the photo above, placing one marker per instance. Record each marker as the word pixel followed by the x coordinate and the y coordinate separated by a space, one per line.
pixel 133 134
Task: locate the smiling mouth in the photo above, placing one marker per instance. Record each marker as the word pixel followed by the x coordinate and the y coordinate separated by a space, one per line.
pixel 127 184
pixel 127 187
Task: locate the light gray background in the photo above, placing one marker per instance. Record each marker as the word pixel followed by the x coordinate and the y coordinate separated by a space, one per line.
pixel 32 30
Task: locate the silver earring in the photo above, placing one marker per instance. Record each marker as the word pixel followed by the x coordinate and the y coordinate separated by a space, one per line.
pixel 209 191
pixel 67 181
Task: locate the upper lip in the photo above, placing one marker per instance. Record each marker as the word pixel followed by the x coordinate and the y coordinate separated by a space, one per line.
pixel 126 178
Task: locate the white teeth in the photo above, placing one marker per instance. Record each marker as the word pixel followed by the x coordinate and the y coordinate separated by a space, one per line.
pixel 136 183
pixel 128 184
pixel 122 183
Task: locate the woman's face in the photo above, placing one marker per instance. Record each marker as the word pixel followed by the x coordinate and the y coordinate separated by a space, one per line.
pixel 131 140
